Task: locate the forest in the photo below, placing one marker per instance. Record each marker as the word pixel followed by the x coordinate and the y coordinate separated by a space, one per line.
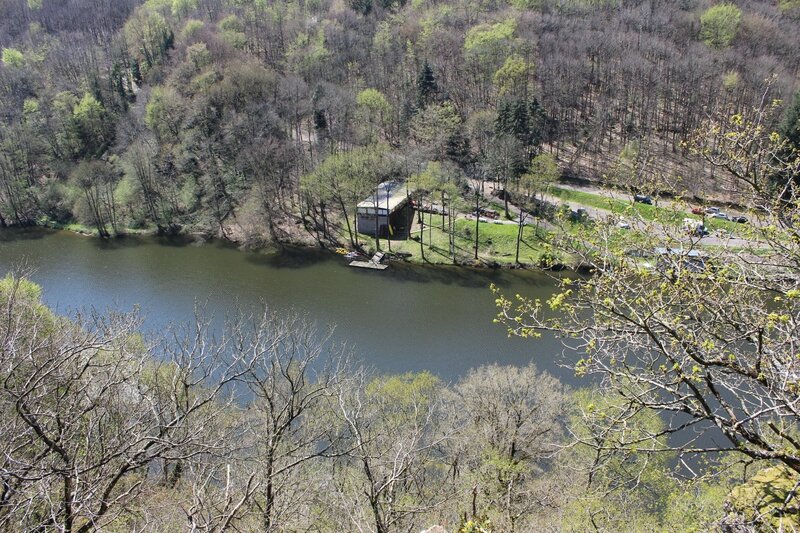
pixel 265 123
pixel 214 117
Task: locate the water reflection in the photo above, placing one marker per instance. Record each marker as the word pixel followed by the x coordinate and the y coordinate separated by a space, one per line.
pixel 406 318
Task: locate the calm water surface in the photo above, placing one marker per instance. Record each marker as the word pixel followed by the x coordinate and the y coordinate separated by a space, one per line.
pixel 405 318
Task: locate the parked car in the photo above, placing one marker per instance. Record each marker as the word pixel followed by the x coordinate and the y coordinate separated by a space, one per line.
pixel 697 211
pixel 720 215
pixel 579 215
pixel 642 199
pixel 739 219
pixel 694 227
pixel 712 210
pixel 623 224
pixel 488 213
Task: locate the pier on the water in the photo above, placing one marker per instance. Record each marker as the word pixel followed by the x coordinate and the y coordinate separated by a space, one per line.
pixel 375 263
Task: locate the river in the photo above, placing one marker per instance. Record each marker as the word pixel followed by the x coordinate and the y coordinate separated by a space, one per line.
pixel 405 318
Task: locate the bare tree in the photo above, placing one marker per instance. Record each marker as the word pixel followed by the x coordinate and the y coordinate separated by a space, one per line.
pixel 294 375
pixel 397 427
pixel 511 427
pixel 91 415
pixel 707 338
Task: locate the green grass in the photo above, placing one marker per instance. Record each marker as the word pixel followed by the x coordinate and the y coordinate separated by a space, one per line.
pixel 83 229
pixel 496 242
pixel 652 213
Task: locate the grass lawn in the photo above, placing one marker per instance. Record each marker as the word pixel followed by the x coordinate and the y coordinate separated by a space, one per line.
pixel 496 242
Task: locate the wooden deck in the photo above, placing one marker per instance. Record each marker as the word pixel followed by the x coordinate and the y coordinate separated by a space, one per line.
pixel 368 264
pixel 374 263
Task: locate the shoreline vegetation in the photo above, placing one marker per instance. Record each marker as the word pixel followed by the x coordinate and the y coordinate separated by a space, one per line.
pixel 454 243
pixel 402 250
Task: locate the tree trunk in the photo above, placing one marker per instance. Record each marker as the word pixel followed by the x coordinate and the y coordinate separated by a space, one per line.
pixel 477 218
pixel 347 221
pixel 505 197
pixel 520 229
pixel 269 493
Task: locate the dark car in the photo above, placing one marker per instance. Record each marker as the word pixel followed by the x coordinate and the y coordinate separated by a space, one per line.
pixel 579 215
pixel 488 213
pixel 642 199
pixel 739 219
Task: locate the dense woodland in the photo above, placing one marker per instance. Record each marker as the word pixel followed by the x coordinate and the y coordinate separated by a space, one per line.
pixel 214 117
pixel 267 122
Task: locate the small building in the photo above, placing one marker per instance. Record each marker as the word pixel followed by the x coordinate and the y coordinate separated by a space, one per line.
pixel 385 212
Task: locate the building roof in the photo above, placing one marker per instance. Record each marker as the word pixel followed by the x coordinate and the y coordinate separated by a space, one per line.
pixel 389 195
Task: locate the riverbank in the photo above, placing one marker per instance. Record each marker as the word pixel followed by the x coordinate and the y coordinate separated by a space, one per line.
pixel 496 243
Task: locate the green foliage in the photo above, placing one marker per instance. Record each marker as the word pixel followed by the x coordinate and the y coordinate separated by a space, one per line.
pixel 719 25
pixel 231 23
pixel 427 88
pixel 346 177
pixel 545 166
pixel 191 28
pixel 149 37
pixel 790 8
pixel 480 524
pixel 13 58
pixel 88 108
pixel 236 39
pixel 164 113
pixel 731 80
pixel 512 78
pixel 373 101
pixel 198 56
pixel 373 111
pixel 25 297
pixel 617 461
pixel 523 120
pixel 761 502
pixel 490 44
pixel 542 174
pixel 488 38
pixel 181 8
pixel 439 128
pixel 695 506
pixel 308 52
pixel 526 4
pixel 30 107
pixel 161 6
pixel 90 120
pixel 404 390
pixel 22 289
pixel 364 7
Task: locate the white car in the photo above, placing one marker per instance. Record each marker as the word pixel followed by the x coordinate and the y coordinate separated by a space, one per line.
pixel 622 224
pixel 720 215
